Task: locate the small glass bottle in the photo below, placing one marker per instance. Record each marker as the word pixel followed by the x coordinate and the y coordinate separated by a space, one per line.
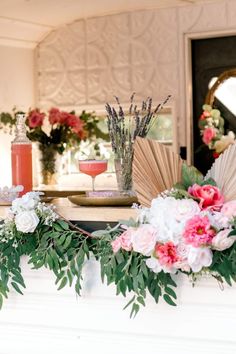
pixel 21 156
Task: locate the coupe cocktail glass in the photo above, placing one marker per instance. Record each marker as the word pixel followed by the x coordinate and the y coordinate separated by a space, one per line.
pixel 92 168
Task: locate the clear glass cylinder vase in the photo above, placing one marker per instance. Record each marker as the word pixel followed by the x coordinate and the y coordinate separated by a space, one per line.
pixel 123 170
pixel 50 165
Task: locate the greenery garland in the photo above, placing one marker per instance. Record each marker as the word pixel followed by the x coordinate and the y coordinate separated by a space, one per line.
pixel 34 229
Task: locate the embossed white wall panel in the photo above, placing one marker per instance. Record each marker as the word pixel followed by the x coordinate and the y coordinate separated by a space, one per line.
pixel 89 61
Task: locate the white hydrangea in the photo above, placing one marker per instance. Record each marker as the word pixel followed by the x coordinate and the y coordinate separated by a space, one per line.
pixel 169 216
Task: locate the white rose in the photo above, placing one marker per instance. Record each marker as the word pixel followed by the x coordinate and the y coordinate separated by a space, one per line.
pixel 26 221
pixel 144 239
pixel 27 202
pixel 221 241
pixel 199 258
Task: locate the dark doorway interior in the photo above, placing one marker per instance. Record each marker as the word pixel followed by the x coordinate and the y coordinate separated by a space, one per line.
pixel 210 58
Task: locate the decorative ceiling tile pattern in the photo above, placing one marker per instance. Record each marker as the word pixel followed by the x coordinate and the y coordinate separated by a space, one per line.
pixel 90 61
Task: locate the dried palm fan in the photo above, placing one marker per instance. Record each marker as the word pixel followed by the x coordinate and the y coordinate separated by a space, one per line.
pixel 155 169
pixel 223 171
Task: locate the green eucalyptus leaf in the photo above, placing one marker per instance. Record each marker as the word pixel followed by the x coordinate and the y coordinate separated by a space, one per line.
pixel 67 242
pixel 63 283
pixel 141 300
pixel 190 176
pixel 168 299
pixel 170 292
pixel 99 233
pixel 130 302
pixel 232 233
pixel 16 287
pixel 64 225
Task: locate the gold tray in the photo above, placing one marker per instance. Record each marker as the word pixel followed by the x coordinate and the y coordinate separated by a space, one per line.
pixel 83 200
pixel 5 203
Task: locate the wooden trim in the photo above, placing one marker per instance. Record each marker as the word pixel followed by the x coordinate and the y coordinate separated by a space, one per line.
pixel 188 37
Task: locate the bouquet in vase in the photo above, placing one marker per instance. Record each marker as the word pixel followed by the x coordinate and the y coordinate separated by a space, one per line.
pixel 58 131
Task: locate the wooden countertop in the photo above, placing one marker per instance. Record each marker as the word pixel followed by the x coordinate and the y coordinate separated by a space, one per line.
pixel 78 213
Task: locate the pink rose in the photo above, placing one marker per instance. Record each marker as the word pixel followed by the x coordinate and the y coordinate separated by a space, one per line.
pixel 229 209
pixel 208 135
pixel 125 239
pixel 221 241
pixel 116 245
pixel 54 116
pixel 144 239
pixel 198 231
pixel 35 118
pixel 167 254
pixel 209 196
pixel 64 117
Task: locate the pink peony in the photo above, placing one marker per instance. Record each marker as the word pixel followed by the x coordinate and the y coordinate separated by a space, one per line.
pixel 166 253
pixel 208 135
pixel 209 196
pixel 198 231
pixel 229 209
pixel 54 116
pixel 35 118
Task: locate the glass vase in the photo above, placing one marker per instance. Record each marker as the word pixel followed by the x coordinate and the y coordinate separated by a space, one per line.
pixel 50 165
pixel 123 170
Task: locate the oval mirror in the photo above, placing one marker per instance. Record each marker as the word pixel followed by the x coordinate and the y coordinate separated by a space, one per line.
pixel 222 95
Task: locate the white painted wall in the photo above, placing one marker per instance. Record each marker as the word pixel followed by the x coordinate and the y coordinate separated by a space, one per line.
pixel 16 90
pixel 48 321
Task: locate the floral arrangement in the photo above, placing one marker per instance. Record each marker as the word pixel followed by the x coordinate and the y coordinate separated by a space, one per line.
pixel 56 131
pixel 123 129
pixel 189 229
pixel 33 228
pixel 211 125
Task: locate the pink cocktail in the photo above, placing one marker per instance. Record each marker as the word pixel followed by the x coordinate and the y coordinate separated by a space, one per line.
pixel 92 168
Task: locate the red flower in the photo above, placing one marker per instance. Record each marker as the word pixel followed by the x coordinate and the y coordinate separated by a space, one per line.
pixel 216 155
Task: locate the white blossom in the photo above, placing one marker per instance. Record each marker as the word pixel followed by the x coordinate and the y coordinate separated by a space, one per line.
pixel 199 257
pixel 26 221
